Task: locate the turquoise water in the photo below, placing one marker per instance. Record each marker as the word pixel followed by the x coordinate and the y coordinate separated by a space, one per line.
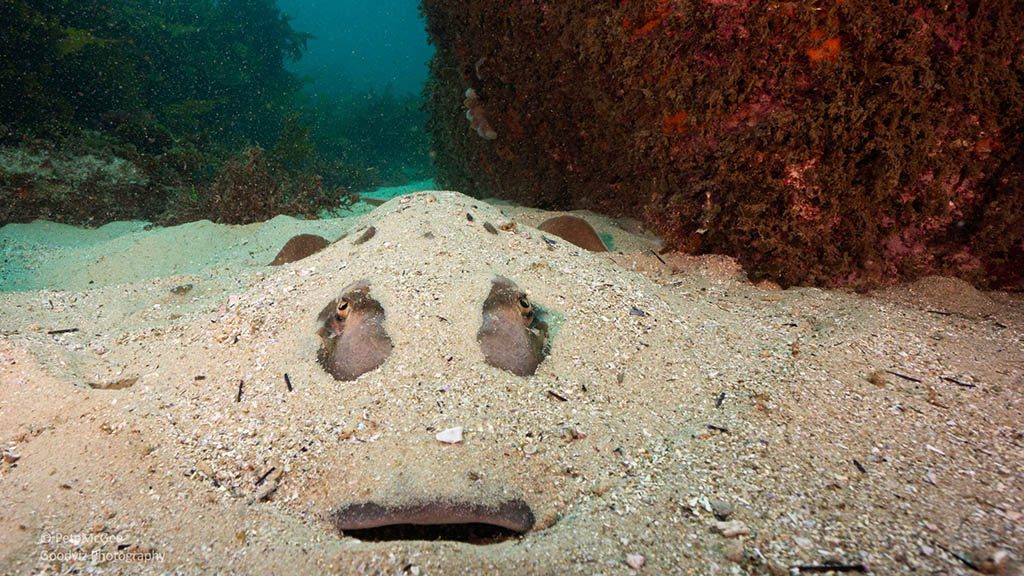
pixel 362 45
pixel 174 112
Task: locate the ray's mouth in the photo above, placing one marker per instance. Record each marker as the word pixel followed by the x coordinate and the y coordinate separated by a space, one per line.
pixel 437 520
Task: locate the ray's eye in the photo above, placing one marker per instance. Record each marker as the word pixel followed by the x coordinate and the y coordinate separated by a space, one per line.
pixel 525 308
pixel 342 310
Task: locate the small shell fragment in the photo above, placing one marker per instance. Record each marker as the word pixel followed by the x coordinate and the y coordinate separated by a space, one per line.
pixel 731 529
pixel 635 561
pixel 450 436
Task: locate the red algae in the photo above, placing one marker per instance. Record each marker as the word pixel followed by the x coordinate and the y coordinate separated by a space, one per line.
pixel 827 50
pixel 675 123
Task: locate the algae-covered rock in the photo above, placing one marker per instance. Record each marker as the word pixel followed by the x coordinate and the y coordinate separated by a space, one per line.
pixel 845 143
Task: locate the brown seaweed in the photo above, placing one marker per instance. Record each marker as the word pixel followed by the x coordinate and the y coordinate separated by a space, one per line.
pixel 575 230
pixel 299 247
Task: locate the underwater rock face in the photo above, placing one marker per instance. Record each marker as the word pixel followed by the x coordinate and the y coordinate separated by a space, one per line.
pixel 575 230
pixel 511 337
pixel 299 247
pixel 353 336
pixel 72 187
pixel 796 137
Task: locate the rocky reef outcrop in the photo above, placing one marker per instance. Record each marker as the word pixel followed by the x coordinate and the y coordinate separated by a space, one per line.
pixel 848 143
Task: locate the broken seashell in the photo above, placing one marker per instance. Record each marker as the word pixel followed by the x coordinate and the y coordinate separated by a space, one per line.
pixel 450 436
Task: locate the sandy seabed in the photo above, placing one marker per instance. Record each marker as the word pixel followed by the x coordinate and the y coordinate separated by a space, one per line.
pixel 685 421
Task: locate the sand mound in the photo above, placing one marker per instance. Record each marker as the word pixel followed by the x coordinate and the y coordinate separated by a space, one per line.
pixel 669 395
